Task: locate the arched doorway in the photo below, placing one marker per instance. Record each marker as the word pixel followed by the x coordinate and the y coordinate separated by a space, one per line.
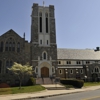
pixel 44 72
pixel 94 77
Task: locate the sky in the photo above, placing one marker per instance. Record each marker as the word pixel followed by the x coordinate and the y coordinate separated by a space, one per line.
pixel 77 21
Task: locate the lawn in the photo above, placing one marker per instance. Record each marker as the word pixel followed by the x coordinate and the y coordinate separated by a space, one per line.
pixel 91 84
pixel 25 89
pixel 86 84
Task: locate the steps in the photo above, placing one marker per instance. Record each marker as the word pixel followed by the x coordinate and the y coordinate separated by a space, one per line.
pixel 44 81
pixel 48 81
pixel 39 81
pixel 54 87
pixel 50 84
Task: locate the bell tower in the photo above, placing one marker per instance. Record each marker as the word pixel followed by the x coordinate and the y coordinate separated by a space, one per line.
pixel 43 40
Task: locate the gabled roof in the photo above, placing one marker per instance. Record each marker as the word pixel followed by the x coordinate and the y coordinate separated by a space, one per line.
pixel 11 32
pixel 80 54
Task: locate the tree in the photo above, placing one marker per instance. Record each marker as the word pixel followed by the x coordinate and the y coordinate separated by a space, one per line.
pixel 21 71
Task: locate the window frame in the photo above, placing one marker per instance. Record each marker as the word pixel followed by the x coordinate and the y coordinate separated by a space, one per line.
pixel 60 71
pixel 71 71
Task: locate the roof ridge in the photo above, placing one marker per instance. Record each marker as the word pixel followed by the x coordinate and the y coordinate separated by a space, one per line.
pixel 74 49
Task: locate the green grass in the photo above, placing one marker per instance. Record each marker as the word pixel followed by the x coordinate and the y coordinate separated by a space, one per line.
pixel 86 84
pixel 26 89
pixel 91 84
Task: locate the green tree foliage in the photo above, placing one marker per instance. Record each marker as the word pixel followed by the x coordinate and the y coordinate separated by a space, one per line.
pixel 21 71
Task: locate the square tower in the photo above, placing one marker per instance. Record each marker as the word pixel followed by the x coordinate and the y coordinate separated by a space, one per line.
pixel 43 40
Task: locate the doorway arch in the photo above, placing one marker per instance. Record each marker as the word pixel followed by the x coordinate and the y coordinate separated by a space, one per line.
pixel 44 72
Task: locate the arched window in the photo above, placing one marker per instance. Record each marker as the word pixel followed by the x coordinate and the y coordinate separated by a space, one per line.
pixel 0 66
pixel 60 71
pixel 18 47
pixel 59 62
pixel 96 69
pixel 1 47
pixel 68 62
pixel 81 71
pixel 71 71
pixel 7 63
pixel 13 46
pixel 44 55
pixel 10 44
pixel 6 48
pixel 46 22
pixel 11 63
pixel 40 21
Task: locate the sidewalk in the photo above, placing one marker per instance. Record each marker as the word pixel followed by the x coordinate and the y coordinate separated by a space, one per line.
pixel 45 93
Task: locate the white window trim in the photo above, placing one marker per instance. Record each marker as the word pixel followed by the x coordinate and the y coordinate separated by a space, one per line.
pixel 68 62
pixel 60 71
pixel 71 72
pixel 81 71
pixel 59 63
pixel 43 55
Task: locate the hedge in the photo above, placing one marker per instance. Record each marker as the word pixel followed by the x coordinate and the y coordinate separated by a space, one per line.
pixel 75 82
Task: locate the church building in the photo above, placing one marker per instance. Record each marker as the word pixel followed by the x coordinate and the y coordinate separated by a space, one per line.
pixel 42 53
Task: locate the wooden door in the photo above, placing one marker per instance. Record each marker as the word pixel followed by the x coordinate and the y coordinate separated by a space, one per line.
pixel 44 72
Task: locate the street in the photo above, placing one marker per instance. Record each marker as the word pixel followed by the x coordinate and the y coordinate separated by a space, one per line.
pixel 88 95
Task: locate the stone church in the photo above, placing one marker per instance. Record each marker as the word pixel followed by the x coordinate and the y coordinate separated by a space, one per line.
pixel 42 52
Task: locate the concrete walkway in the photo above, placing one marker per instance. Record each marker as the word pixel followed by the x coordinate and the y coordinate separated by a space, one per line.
pixel 45 93
pixel 54 87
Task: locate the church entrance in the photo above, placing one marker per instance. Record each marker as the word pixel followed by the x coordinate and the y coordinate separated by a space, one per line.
pixel 44 72
pixel 94 77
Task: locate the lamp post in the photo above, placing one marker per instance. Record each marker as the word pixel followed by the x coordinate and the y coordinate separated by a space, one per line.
pixel 85 77
pixel 76 72
pixel 66 73
pixel 87 69
pixel 55 81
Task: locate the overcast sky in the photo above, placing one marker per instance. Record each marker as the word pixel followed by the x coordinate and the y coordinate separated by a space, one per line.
pixel 77 21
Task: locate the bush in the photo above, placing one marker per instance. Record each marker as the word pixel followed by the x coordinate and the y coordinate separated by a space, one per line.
pixel 31 81
pixel 4 85
pixel 75 82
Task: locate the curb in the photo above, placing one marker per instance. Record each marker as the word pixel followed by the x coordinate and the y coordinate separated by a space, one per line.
pixel 46 96
pixel 51 94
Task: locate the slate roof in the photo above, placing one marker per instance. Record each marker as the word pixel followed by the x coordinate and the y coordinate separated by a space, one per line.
pixel 82 54
pixel 10 32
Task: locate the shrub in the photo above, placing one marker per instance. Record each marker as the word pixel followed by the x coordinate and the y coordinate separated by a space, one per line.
pixel 75 82
pixel 31 81
pixel 4 85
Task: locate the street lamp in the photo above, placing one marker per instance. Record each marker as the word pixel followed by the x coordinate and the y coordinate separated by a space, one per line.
pixel 66 72
pixel 85 77
pixel 76 72
pixel 87 69
pixel 55 81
